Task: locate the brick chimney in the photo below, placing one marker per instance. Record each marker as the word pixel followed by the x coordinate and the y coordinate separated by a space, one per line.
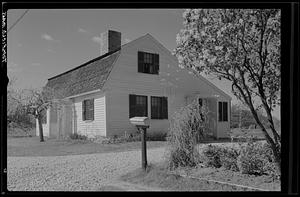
pixel 111 41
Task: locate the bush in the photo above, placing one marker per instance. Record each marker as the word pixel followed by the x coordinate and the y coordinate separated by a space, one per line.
pixel 229 158
pixel 156 136
pixel 134 137
pixel 76 136
pixel 187 127
pixel 256 158
pixel 122 139
pixel 212 156
pixel 216 156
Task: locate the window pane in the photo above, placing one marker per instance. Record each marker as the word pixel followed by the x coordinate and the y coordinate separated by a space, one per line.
pixel 165 107
pixel 137 106
pixel 220 111
pixel 148 63
pixel 225 111
pixel 88 109
pixel 159 108
pixel 200 102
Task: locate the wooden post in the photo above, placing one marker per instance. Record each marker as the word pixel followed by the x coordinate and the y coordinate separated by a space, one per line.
pixel 144 148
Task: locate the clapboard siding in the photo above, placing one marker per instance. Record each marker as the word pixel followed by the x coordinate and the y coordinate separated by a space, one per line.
pixel 173 82
pixel 124 75
pixel 94 127
pixel 118 112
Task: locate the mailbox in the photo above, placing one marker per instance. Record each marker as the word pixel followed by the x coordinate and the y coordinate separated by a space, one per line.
pixel 142 122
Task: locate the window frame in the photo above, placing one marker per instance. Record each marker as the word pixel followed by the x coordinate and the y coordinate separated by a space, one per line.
pixel 163 110
pixel 133 109
pixel 200 107
pixel 148 63
pixel 88 109
pixel 223 111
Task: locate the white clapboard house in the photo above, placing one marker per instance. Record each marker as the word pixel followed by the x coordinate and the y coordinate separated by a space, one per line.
pixel 139 78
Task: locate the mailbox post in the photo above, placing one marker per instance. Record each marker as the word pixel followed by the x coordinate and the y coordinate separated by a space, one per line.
pixel 142 123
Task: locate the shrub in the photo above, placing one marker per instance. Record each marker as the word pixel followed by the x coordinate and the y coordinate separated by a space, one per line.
pixel 156 136
pixel 122 139
pixel 134 137
pixel 187 127
pixel 256 158
pixel 76 136
pixel 212 156
pixel 216 156
pixel 229 158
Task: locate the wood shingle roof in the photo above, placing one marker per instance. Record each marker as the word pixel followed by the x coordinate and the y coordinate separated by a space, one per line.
pixel 87 77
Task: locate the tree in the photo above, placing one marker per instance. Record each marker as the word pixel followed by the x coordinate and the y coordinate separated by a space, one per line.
pixel 16 113
pixel 37 102
pixel 242 46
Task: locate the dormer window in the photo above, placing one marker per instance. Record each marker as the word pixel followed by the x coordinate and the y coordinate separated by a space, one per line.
pixel 148 63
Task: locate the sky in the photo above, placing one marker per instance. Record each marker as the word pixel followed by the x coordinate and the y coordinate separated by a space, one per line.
pixel 45 43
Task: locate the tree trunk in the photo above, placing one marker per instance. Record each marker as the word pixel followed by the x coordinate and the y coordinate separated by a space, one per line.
pixel 40 129
pixel 275 145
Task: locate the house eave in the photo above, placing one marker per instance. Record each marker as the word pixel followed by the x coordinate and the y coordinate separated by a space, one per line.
pixel 83 94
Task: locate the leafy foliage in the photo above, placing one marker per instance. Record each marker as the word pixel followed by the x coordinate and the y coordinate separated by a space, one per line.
pixel 16 114
pixel 229 158
pixel 242 46
pixel 212 156
pixel 134 137
pixel 37 101
pixel 252 158
pixel 217 156
pixel 75 136
pixel 187 127
pixel 257 159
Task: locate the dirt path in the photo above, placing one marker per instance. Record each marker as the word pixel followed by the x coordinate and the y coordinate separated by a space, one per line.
pixel 92 172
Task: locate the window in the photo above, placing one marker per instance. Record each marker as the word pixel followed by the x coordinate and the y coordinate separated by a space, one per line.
pixel 88 109
pixel 159 107
pixel 200 106
pixel 223 111
pixel 148 63
pixel 138 106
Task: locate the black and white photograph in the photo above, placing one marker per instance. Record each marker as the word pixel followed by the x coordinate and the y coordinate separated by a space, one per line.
pixel 144 99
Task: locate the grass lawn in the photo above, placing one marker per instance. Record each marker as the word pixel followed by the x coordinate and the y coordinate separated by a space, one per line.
pixel 202 178
pixel 31 146
pixel 158 176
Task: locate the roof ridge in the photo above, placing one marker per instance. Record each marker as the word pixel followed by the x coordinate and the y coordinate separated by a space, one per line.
pixel 97 58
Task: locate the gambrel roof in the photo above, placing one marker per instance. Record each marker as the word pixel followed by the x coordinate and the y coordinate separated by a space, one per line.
pixel 92 75
pixel 87 77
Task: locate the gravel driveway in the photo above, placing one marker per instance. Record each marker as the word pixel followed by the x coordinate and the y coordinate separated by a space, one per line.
pixel 91 172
